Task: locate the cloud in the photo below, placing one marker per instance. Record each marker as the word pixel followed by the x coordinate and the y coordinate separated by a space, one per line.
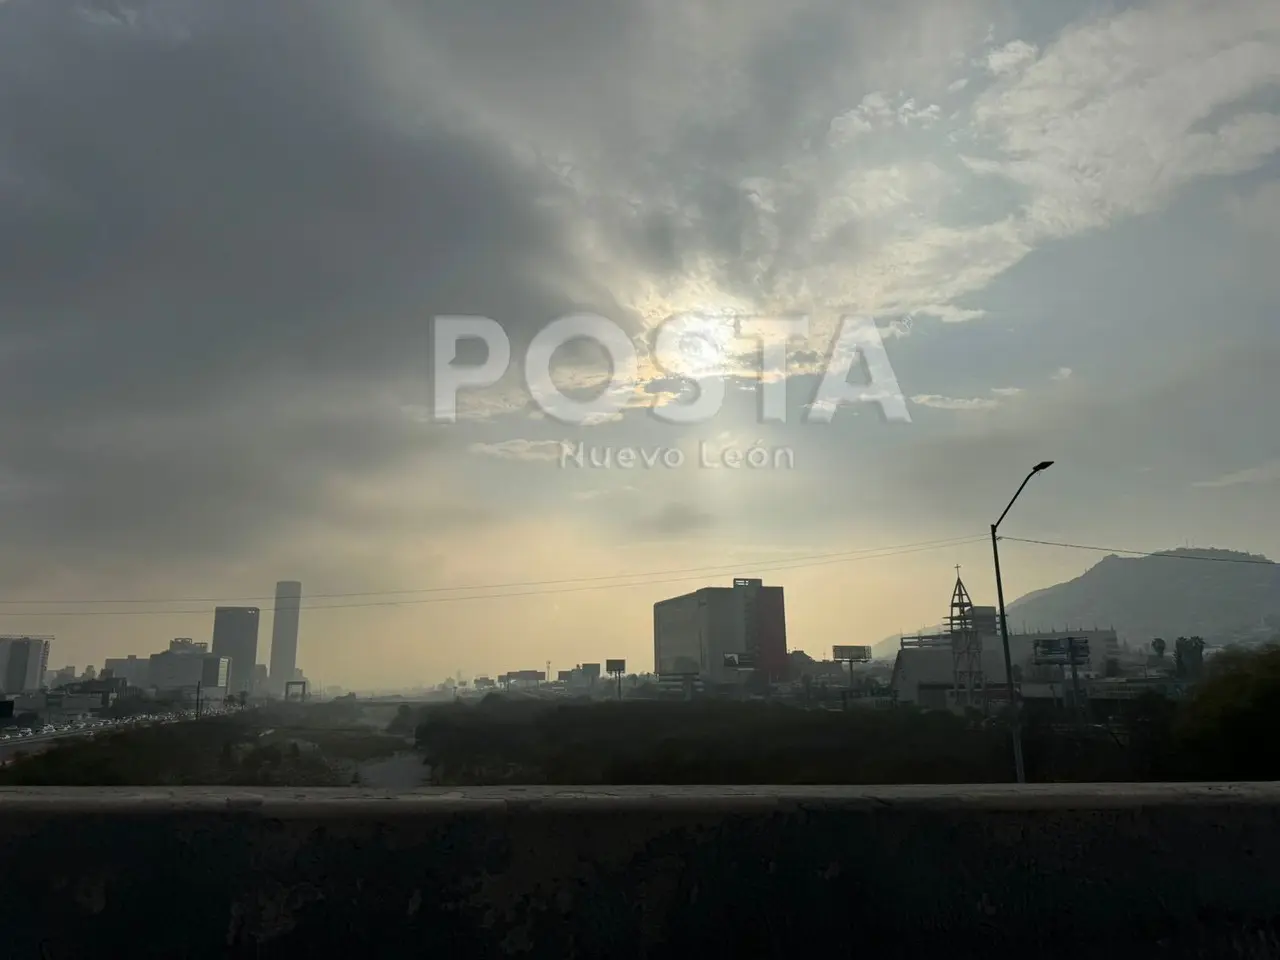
pixel 218 256
pixel 1010 57
pixel 1177 425
pixel 1118 114
pixel 1268 472
pixel 1006 391
pixel 955 403
pixel 520 449
pixel 1258 210
pixel 597 493
pixel 1062 373
pixel 673 521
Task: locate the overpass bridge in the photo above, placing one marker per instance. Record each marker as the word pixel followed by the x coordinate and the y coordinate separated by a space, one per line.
pixel 1133 871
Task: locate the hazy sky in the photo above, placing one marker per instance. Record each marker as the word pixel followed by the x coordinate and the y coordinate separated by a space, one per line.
pixel 225 228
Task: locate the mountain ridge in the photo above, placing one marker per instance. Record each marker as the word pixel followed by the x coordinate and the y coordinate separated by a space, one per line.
pixel 1224 596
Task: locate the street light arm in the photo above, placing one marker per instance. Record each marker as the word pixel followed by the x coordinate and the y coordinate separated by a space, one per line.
pixel 1014 500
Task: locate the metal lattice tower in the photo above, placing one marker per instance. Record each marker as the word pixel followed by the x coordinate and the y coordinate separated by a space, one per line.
pixel 966 650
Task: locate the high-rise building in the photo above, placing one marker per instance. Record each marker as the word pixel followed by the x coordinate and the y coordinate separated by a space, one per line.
pixel 694 634
pixel 23 662
pixel 284 634
pixel 134 670
pixel 235 635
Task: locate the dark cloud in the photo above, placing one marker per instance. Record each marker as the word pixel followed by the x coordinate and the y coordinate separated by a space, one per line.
pixel 218 260
pixel 674 521
pixel 1121 449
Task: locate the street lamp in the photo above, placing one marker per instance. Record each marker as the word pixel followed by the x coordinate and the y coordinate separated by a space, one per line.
pixel 1014 720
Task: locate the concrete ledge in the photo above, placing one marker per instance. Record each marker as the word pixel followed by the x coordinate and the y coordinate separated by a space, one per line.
pixel 1128 871
pixel 288 802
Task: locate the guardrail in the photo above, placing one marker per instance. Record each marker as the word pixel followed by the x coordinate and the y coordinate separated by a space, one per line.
pixel 1054 871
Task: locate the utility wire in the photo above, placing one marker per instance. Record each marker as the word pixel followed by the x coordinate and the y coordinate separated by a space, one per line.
pixel 839 554
pixel 1144 553
pixel 582 584
pixel 557 586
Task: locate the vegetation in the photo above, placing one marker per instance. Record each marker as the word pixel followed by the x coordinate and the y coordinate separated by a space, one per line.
pixel 219 751
pixel 1216 734
pixel 1210 736
pixel 700 742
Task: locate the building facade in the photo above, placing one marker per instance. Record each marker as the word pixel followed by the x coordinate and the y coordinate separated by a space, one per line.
pixel 179 670
pixel 694 633
pixel 24 660
pixel 925 676
pixel 235 636
pixel 284 635
pixel 136 671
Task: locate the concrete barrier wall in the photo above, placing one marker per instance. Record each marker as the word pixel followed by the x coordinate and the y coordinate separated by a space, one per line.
pixel 1096 872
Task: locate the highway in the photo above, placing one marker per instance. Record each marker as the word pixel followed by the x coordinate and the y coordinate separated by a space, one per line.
pixel 38 743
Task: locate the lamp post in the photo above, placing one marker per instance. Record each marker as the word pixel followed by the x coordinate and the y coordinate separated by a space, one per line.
pixel 1014 719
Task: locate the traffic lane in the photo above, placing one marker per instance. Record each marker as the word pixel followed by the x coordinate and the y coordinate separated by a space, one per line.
pixel 38 743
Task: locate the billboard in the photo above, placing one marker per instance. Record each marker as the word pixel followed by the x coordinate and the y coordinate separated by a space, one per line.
pixel 739 661
pixel 615 666
pixel 1062 650
pixel 857 654
pixel 564 676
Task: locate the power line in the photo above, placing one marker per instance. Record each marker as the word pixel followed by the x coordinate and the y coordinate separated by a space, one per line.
pixel 560 586
pixel 497 586
pixel 1143 553
pixel 500 586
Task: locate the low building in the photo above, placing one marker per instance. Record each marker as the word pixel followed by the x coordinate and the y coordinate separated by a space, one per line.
pixel 925 676
pixel 136 671
pixel 58 706
pixel 179 670
pixel 936 671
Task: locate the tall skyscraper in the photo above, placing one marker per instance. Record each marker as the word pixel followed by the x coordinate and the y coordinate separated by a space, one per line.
pixel 235 635
pixel 23 662
pixel 284 634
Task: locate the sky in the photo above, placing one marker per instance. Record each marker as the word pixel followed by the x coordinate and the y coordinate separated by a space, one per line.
pixel 226 230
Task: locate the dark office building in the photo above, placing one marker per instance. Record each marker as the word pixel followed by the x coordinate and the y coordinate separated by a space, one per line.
pixel 692 634
pixel 235 635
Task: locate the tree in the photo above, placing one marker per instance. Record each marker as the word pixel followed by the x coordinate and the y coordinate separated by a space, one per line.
pixel 402 723
pixel 1158 645
pixel 1188 658
pixel 1225 724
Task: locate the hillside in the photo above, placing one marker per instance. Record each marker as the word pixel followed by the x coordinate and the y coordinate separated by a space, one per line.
pixel 888 648
pixel 1185 592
